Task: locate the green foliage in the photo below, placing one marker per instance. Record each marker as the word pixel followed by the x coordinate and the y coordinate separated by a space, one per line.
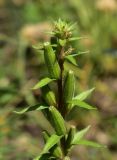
pixel 71 60
pixel 69 89
pixel 57 121
pixel 48 95
pixel 82 104
pixel 43 82
pixel 51 61
pixel 52 140
pixel 82 96
pixel 55 150
pixel 31 108
pixel 90 143
pixel 78 136
pixel 56 106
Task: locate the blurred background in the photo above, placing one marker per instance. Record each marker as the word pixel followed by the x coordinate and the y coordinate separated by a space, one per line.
pixel 24 23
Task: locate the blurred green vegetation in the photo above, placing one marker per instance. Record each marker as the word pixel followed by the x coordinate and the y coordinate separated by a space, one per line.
pixel 25 23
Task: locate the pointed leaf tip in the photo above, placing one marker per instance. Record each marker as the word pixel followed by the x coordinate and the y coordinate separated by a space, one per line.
pixel 79 135
pixel 52 140
pixel 81 104
pixel 82 96
pixel 43 82
pixel 71 60
pixel 91 144
pixel 36 107
pixel 77 54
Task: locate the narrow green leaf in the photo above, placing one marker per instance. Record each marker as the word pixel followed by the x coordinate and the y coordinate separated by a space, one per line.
pixel 46 136
pixel 76 38
pixel 71 60
pixel 55 150
pixel 82 104
pixel 77 54
pixel 84 94
pixel 78 136
pixel 90 143
pixel 42 157
pixel 72 26
pixel 43 82
pixel 52 140
pixel 36 107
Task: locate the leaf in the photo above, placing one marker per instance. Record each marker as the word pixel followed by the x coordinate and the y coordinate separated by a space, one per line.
pixel 52 140
pixel 55 150
pixel 43 82
pixel 42 157
pixel 82 104
pixel 77 54
pixel 84 94
pixel 36 107
pixel 78 136
pixel 62 42
pixel 76 38
pixel 90 143
pixel 72 26
pixel 71 60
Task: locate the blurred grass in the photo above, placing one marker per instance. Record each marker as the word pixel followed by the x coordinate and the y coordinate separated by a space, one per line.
pixel 24 23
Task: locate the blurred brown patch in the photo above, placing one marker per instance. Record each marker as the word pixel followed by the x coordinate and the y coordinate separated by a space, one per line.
pixel 106 5
pixel 33 32
pixel 105 95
